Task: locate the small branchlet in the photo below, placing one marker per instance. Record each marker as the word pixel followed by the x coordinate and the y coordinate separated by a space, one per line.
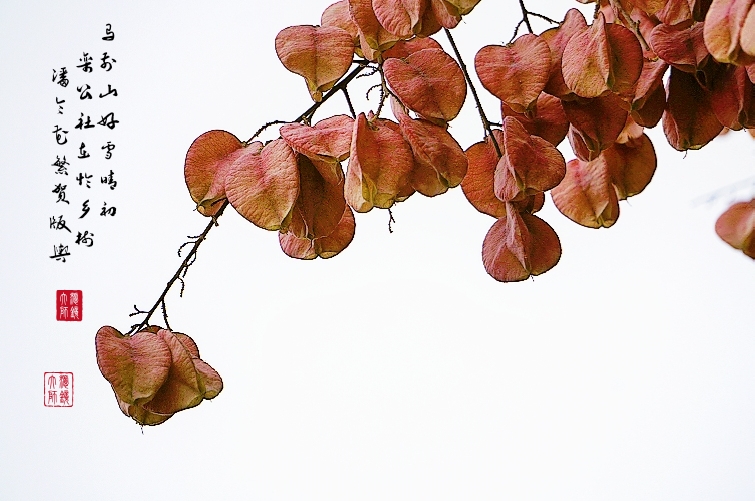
pixel 137 311
pixel 630 23
pixel 263 129
pixel 165 314
pixel 371 71
pixel 367 94
pixel 526 20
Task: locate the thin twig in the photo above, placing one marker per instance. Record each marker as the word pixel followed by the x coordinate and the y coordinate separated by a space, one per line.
pixel 372 71
pixel 137 311
pixel 516 30
pixel 348 101
pixel 525 16
pixel 190 242
pixel 526 20
pixel 367 94
pixel 383 92
pixel 264 127
pixel 181 269
pixel 544 18
pixel 483 117
pixel 165 314
pixel 307 115
pixel 336 88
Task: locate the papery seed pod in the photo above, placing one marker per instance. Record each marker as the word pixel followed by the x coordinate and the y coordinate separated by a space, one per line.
pixel 207 162
pixel 429 82
pixel 601 59
pixel 324 247
pixel 598 122
pixel 326 144
pixel 380 165
pixel 516 73
pixel 155 372
pixel 586 195
pixel 736 227
pixel 529 165
pixel 724 28
pixel 689 120
pixel 518 246
pixel 549 122
pixel 321 54
pixel 263 187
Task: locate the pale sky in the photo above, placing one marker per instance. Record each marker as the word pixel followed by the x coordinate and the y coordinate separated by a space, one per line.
pixel 397 370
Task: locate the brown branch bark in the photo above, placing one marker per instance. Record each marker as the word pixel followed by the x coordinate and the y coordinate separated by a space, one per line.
pixel 483 117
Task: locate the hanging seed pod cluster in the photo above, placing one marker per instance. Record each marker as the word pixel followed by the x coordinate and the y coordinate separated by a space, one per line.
pixel 598 83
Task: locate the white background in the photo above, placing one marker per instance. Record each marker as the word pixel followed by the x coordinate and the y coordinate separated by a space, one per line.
pixel 397 370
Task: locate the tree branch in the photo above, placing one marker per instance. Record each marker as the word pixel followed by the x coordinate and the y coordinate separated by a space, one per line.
pixel 629 23
pixel 177 275
pixel 483 117
pixel 309 113
pixel 336 88
pixel 525 16
pixel 189 259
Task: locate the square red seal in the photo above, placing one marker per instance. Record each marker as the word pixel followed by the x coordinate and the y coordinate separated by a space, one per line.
pixel 69 306
pixel 58 389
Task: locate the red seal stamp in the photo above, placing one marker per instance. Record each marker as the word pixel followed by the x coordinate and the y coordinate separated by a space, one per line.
pixel 58 389
pixel 69 306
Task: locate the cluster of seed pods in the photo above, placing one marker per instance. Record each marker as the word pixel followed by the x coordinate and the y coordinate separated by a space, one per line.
pixel 599 85
pixel 296 184
pixel 155 372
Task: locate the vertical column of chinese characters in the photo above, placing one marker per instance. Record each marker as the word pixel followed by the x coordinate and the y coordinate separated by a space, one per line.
pixel 82 155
